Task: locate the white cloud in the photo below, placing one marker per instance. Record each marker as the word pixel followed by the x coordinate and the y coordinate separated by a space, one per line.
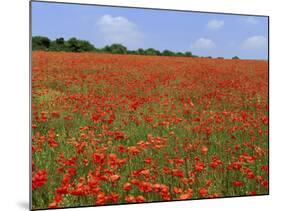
pixel 119 30
pixel 203 44
pixel 215 24
pixel 254 42
pixel 251 20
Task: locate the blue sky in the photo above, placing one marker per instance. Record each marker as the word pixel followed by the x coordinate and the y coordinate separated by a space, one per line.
pixel 203 34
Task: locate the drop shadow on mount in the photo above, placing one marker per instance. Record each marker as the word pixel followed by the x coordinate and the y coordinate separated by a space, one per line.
pixel 23 204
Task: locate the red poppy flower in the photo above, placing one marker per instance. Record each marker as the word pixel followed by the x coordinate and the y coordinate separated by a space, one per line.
pixel 203 192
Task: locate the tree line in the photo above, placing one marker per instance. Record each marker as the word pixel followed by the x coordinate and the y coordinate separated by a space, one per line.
pixel 75 45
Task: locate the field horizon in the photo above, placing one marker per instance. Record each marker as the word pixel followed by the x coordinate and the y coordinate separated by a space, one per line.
pixel 173 57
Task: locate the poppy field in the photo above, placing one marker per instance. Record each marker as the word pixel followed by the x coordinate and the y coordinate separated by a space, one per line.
pixel 115 129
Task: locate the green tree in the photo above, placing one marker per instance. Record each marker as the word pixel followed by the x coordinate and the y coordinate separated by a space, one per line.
pixel 115 48
pixel 188 54
pixel 168 53
pixel 152 52
pixel 141 51
pixel 60 41
pixel 235 57
pixel 118 49
pixel 86 46
pixel 40 43
pixel 73 45
pixel 58 45
pixel 132 52
pixel 179 54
